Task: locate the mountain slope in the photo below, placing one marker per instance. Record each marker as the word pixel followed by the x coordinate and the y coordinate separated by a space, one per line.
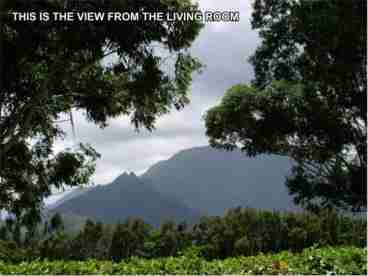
pixel 72 223
pixel 127 196
pixel 212 181
pixel 72 194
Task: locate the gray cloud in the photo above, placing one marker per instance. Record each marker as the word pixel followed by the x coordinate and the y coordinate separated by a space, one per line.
pixel 224 49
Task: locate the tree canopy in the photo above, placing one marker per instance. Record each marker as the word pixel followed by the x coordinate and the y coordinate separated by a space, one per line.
pixel 50 68
pixel 307 100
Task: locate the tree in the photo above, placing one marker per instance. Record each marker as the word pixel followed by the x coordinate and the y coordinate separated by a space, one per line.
pixel 120 244
pixel 169 239
pixel 90 235
pixel 307 101
pixel 49 69
pixel 56 223
pixel 85 244
pixel 104 243
pixel 129 239
pixel 242 246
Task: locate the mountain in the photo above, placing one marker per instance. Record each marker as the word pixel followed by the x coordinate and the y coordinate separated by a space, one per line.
pixel 212 181
pixel 195 181
pixel 72 223
pixel 69 195
pixel 127 196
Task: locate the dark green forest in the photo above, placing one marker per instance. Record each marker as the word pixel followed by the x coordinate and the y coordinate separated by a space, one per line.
pixel 241 232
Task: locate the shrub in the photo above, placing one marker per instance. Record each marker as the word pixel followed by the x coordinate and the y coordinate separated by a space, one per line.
pixel 340 260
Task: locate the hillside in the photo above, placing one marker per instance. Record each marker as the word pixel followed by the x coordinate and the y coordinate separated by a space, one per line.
pixel 212 181
pixel 127 196
pixel 69 195
pixel 203 179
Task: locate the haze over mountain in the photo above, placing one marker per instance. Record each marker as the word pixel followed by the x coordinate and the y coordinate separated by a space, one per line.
pixel 212 181
pixel 69 195
pixel 127 196
pixel 195 181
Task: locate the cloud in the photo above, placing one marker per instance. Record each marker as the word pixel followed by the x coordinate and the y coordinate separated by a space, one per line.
pixel 224 49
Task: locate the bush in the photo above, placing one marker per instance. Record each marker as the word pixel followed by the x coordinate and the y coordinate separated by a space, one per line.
pixel 10 252
pixel 340 260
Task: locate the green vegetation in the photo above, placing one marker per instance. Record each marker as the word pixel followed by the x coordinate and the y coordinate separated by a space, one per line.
pixel 48 69
pixel 241 232
pixel 340 260
pixel 307 101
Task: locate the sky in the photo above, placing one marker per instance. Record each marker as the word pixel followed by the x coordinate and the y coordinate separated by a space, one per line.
pixel 224 49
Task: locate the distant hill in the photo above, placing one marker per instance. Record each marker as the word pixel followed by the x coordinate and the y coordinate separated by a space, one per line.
pixel 195 181
pixel 72 194
pixel 127 196
pixel 212 181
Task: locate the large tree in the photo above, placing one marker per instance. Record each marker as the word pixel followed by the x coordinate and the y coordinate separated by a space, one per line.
pixel 307 100
pixel 50 68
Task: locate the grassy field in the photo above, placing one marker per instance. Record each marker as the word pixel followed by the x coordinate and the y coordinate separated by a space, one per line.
pixel 329 260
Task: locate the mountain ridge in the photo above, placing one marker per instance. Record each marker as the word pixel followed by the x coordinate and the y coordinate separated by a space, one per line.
pixel 126 197
pixel 193 182
pixel 212 180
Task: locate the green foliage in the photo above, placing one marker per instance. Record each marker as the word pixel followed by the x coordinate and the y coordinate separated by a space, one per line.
pixel 329 260
pixel 84 245
pixel 53 69
pixel 11 252
pixel 307 101
pixel 56 222
pixel 248 232
pixel 241 232
pixel 129 239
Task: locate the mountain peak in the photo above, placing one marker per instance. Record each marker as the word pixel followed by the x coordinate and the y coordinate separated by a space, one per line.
pixel 196 181
pixel 126 177
pixel 128 196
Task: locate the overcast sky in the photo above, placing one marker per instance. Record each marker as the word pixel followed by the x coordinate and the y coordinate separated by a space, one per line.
pixel 224 49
